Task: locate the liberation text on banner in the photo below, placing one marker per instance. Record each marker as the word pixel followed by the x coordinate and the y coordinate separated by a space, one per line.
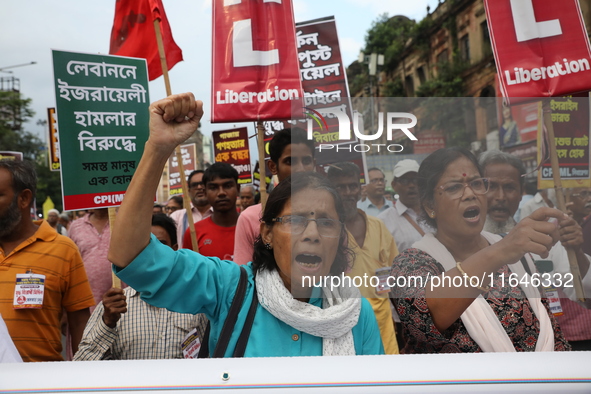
pixel 102 102
pixel 255 72
pixel 541 47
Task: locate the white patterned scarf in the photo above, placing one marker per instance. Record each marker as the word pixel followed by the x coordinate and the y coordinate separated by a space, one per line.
pixel 480 320
pixel 333 322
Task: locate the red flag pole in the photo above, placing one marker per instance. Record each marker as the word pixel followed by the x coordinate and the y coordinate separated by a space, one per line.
pixel 186 199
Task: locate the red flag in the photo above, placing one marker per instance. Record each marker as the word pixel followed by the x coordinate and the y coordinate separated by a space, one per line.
pixel 134 34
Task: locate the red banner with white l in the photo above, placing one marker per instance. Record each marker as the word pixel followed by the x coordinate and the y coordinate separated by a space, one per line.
pixel 255 71
pixel 541 47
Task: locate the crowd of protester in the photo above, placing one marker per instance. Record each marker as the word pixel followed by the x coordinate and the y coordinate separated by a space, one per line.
pixel 252 285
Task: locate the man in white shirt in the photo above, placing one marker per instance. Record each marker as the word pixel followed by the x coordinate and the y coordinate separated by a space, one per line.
pixel 505 174
pixel 375 203
pixel 53 216
pixel 544 198
pixel 199 206
pixel 402 219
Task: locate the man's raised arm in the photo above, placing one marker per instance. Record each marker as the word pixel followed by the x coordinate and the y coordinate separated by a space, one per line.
pixel 172 121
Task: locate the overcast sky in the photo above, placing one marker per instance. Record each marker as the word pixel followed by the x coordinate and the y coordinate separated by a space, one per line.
pixel 31 28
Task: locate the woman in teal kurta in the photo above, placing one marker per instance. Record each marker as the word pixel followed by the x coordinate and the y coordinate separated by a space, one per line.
pixel 301 236
pixel 181 287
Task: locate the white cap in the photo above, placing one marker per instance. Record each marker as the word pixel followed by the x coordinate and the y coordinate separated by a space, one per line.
pixel 405 166
pixel 53 211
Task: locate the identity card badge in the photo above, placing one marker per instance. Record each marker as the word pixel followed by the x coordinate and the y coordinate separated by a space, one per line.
pixel 28 291
pixel 383 274
pixel 191 345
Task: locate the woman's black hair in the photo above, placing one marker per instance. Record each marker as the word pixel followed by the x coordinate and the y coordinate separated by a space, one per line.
pixel 178 199
pixel 220 171
pixel 161 220
pixel 285 137
pixel 431 170
pixel 264 258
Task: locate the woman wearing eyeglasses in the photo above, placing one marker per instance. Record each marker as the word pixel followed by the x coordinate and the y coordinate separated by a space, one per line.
pixel 462 298
pixel 301 236
pixel 174 204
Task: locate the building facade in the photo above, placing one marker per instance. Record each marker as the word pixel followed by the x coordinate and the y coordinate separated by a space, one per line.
pixel 454 39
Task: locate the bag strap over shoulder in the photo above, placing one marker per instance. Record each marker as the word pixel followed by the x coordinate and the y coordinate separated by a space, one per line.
pixel 230 323
pixel 413 223
pixel 243 339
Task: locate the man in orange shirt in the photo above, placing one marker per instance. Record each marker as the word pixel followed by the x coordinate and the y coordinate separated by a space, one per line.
pixel 41 272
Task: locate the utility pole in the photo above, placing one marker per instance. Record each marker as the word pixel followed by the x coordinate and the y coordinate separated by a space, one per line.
pixel 11 83
pixel 373 61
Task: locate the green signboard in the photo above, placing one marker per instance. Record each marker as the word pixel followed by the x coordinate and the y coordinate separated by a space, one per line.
pixel 102 106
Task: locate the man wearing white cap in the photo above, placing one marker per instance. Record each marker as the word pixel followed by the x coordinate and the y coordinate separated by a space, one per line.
pixel 53 216
pixel 401 220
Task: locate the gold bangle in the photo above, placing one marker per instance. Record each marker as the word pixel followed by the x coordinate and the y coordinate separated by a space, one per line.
pixel 471 279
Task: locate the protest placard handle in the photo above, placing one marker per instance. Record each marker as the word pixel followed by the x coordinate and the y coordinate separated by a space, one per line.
pixel 262 165
pixel 572 258
pixel 186 198
pixel 112 214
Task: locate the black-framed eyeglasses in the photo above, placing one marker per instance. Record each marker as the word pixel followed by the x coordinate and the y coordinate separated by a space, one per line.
pixel 295 225
pixel 171 209
pixel 455 190
pixel 377 180
pixel 195 185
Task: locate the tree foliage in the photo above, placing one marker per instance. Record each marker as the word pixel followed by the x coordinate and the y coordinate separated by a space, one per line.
pixel 388 36
pixel 448 83
pixel 445 107
pixel 393 88
pixel 15 111
pixel 442 107
pixel 48 183
pixel 357 77
pixel 421 36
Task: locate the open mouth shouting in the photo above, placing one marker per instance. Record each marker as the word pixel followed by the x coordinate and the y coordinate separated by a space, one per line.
pixel 472 214
pixel 308 262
